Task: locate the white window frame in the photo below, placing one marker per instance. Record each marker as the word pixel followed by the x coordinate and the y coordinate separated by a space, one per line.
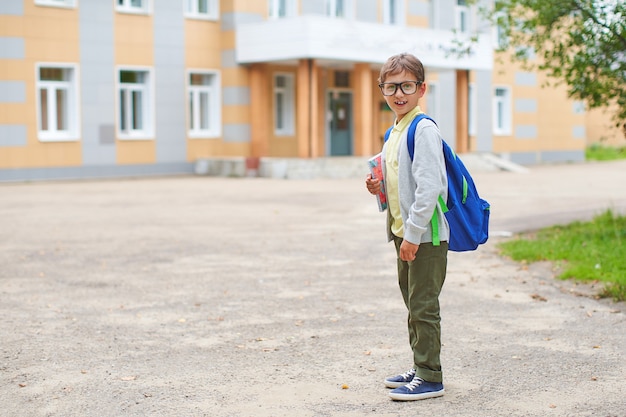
pixel 147 114
pixel 213 114
pixel 192 10
pixel 72 107
pixel 499 40
pixel 393 12
pixel 502 120
pixel 347 12
pixel 472 108
pixel 432 100
pixel 128 7
pixel 66 4
pixel 462 15
pixel 287 115
pixel 274 8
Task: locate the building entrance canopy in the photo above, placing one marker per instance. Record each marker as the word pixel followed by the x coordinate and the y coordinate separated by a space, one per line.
pixel 324 38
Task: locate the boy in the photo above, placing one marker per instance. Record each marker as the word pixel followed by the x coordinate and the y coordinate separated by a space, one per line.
pixel 413 189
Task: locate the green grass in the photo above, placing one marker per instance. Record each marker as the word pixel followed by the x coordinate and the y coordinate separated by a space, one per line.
pixel 597 152
pixel 585 251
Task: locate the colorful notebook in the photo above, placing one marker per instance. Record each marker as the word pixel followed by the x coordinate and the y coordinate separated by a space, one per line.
pixel 375 164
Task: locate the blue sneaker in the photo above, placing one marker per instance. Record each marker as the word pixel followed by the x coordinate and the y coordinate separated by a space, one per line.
pixel 400 380
pixel 417 389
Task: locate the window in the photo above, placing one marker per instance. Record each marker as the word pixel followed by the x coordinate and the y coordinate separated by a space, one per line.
pixel 339 8
pixel 342 79
pixel 281 8
pixel 501 42
pixel 132 6
pixel 202 9
pixel 204 104
pixel 502 111
pixel 57 102
pixel 135 104
pixel 283 104
pixel 462 16
pixel 393 13
pixel 56 3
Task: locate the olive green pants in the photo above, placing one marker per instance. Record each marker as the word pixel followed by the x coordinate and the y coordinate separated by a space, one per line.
pixel 420 282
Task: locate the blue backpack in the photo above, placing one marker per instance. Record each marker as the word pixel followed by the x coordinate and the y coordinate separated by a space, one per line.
pixel 466 212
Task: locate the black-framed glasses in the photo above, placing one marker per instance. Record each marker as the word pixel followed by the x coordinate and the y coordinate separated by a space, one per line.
pixel 407 87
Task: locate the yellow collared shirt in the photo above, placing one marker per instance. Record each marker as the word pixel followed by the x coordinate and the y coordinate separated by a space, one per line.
pixel 391 174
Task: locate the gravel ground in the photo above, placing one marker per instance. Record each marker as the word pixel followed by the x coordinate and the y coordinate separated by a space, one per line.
pixel 200 296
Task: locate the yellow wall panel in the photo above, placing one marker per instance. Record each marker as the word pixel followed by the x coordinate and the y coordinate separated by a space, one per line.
pixel 17 70
pixel 11 26
pixel 49 50
pixel 417 21
pixel 244 6
pixel 228 40
pixel 57 154
pixel 601 128
pixel 235 77
pixel 50 33
pixel 136 151
pixel 16 113
pixel 285 146
pixel 134 39
pixel 205 148
pixel 202 44
pixel 235 114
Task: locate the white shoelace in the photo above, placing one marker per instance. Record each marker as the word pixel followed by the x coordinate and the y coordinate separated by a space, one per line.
pixel 408 374
pixel 417 381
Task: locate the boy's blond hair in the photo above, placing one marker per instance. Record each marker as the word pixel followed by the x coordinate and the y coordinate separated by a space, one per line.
pixel 402 62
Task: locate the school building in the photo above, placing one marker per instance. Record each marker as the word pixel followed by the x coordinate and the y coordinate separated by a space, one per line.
pixel 103 88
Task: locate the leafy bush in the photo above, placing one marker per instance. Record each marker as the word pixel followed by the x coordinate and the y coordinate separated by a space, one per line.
pixel 598 152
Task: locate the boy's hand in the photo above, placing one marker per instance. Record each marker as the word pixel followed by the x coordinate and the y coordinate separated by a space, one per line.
pixel 372 184
pixel 408 251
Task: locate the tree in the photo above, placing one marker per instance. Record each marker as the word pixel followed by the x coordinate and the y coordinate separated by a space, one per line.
pixel 579 42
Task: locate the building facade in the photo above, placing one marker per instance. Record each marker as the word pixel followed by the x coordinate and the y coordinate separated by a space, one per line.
pixel 100 88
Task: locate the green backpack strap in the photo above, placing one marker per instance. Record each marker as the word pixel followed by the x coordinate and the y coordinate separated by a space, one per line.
pixel 434 222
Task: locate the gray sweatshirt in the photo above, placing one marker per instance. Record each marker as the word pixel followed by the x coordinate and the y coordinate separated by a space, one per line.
pixel 420 183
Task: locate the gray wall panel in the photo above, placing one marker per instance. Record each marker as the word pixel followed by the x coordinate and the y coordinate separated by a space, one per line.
pixel 313 7
pixel 95 171
pixel 12 48
pixel 12 91
pixel 366 11
pixel 524 158
pixel 228 59
pixel 484 127
pixel 236 132
pixel 97 82
pixel 446 14
pixel 419 8
pixel 12 7
pixel 169 61
pixel 526 78
pixel 579 132
pixel 12 135
pixel 563 156
pixel 235 96
pixel 447 104
pixel 229 21
pixel 525 132
pixel 526 105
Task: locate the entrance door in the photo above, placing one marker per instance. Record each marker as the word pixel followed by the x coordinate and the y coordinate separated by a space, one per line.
pixel 340 132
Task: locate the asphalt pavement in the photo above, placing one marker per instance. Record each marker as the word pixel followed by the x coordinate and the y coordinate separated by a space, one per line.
pixel 205 296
